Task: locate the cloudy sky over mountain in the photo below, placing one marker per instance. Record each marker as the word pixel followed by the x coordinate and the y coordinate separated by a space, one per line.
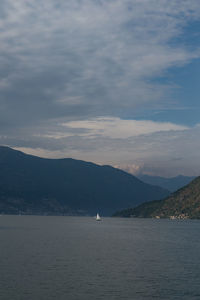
pixel 109 81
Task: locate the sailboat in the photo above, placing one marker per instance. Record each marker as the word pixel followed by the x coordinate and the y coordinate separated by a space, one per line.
pixel 98 218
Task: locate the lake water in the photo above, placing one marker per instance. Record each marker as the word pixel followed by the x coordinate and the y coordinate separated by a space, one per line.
pixel 78 258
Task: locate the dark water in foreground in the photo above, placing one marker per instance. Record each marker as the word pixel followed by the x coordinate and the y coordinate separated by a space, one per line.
pixel 78 258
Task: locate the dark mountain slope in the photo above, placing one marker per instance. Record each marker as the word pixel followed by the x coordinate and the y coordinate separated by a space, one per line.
pixel 184 203
pixel 172 184
pixel 30 184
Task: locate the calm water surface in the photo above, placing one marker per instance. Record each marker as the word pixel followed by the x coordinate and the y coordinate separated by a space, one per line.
pixel 78 258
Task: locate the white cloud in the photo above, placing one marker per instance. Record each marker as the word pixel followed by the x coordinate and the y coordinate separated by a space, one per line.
pixel 119 128
pixel 130 168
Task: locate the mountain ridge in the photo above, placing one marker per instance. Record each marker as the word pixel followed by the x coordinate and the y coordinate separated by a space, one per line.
pixel 170 183
pixel 35 185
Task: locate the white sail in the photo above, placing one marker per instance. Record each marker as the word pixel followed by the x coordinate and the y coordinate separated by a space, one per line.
pixel 98 218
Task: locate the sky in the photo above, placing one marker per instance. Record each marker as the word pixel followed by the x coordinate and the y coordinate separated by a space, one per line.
pixel 108 81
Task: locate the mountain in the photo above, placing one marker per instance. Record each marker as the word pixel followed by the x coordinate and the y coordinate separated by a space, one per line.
pixel 172 184
pixel 34 185
pixel 184 203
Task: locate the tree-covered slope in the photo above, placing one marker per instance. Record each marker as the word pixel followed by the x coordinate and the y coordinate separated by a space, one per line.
pixel 184 203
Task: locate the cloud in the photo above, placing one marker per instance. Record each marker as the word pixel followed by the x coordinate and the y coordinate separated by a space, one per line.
pixel 81 59
pixel 73 72
pixel 119 128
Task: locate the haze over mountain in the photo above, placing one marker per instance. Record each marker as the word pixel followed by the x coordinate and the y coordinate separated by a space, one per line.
pixel 34 185
pixel 172 183
pixel 184 203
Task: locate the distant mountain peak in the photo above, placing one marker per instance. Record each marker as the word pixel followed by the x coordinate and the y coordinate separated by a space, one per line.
pixel 172 183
